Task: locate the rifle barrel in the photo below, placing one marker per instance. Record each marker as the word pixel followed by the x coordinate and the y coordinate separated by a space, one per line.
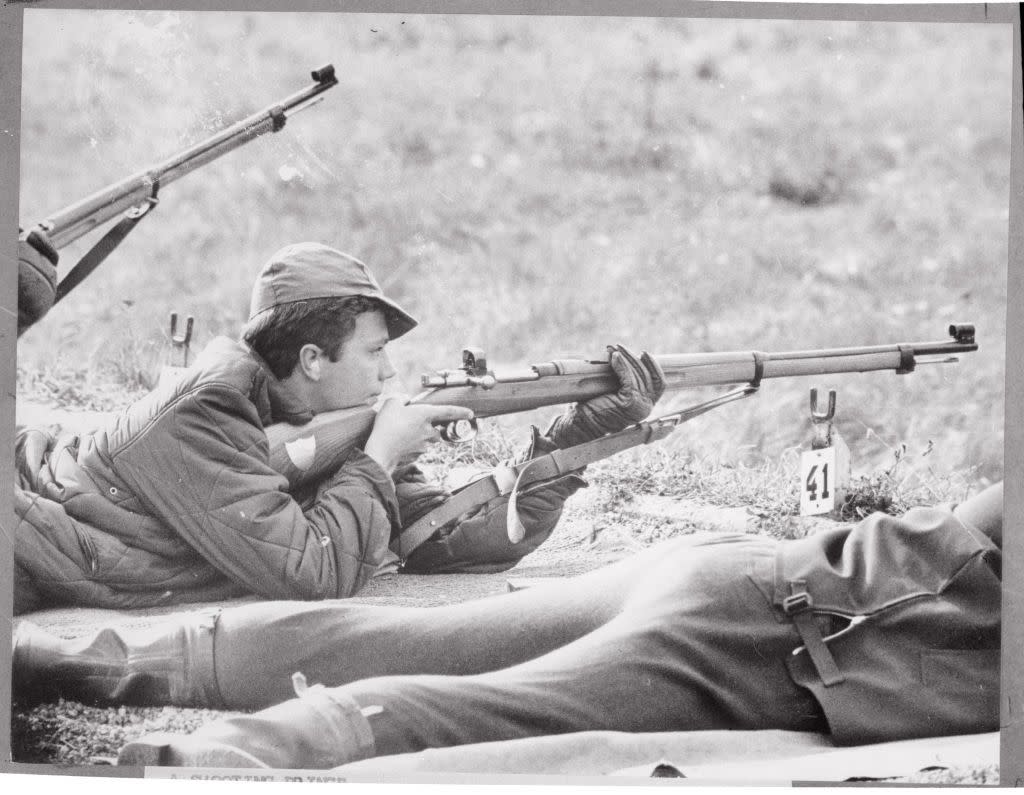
pixel 74 221
pixel 572 380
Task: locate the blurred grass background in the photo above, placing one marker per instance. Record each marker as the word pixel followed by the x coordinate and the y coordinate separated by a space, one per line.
pixel 541 185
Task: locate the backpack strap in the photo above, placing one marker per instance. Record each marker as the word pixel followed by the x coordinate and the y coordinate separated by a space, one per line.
pixel 798 607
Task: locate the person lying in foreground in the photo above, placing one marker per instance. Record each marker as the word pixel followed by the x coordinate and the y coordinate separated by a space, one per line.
pixel 881 630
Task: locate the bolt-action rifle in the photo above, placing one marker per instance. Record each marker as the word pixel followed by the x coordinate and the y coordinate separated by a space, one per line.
pixel 136 195
pixel 315 450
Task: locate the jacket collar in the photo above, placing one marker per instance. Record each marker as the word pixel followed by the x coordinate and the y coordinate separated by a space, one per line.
pixel 235 362
pixel 281 403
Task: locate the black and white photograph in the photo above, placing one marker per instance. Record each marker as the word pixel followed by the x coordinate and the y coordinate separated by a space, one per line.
pixel 512 397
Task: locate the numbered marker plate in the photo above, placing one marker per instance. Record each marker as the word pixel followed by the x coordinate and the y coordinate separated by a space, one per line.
pixel 817 479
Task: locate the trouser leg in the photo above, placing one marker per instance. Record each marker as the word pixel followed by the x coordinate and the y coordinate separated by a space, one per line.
pixel 259 646
pixel 696 647
pixel 170 664
pixel 244 657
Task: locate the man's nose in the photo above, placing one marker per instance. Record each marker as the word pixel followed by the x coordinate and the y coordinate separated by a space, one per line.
pixel 386 370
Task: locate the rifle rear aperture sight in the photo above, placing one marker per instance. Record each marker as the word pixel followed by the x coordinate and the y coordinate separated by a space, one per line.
pixel 473 372
pixel 474 361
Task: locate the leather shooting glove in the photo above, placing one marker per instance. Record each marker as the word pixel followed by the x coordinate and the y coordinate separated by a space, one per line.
pixel 416 494
pixel 641 384
pixel 37 277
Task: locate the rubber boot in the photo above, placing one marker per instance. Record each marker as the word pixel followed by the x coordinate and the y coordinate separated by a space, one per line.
pixel 167 665
pixel 318 730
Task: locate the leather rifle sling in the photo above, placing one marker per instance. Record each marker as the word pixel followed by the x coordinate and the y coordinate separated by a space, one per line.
pixel 103 248
pixel 511 479
pixel 506 479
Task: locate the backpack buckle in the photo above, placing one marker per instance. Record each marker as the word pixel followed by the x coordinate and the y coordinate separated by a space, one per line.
pixel 797 603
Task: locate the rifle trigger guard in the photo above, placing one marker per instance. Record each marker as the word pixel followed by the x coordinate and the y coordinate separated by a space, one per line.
pixel 459 431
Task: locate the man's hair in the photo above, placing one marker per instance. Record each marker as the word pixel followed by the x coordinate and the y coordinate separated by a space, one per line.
pixel 278 334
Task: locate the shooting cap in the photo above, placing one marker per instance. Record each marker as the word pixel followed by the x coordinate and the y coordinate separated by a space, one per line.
pixel 304 271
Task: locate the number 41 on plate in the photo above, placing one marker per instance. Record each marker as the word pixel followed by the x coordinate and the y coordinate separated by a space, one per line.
pixel 824 475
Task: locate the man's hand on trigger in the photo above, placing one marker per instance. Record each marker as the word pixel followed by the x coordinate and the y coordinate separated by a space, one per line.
pixel 641 384
pixel 403 431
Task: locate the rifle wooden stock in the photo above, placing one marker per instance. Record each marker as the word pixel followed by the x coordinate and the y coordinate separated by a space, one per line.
pixel 315 450
pixel 304 453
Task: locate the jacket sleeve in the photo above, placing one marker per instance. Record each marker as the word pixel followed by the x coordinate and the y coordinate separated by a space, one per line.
pixel 478 542
pixel 202 467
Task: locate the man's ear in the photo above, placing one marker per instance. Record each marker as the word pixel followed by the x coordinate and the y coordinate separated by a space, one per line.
pixel 310 357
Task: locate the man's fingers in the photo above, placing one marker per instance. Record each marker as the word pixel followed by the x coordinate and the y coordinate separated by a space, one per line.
pixel 627 367
pixel 643 373
pixel 657 375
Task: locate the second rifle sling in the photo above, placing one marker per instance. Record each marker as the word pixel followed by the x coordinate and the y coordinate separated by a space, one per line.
pixel 104 246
